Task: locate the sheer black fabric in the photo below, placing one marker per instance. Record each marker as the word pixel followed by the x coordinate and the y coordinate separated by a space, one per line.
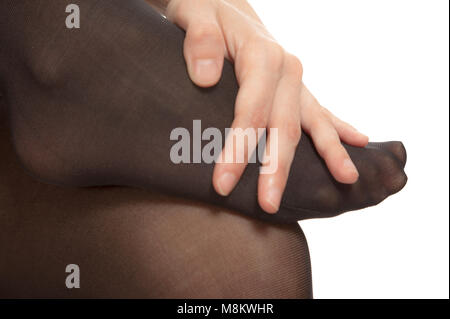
pixel 95 106
pixel 132 243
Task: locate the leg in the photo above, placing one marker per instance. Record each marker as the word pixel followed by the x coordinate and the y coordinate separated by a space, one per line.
pixel 136 244
pixel 76 126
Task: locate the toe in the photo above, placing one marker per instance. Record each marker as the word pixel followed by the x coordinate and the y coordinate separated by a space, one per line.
pixel 394 177
pixel 397 149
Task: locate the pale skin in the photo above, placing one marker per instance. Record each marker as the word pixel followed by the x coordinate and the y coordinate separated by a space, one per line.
pixel 271 91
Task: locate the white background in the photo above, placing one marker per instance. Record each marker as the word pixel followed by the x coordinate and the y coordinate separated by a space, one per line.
pixel 382 66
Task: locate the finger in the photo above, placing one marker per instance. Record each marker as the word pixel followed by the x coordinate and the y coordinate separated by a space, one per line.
pixel 328 145
pixel 204 53
pixel 282 144
pixel 348 133
pixel 204 45
pixel 258 75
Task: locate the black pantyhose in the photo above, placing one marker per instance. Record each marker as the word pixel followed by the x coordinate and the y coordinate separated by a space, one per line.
pixel 96 106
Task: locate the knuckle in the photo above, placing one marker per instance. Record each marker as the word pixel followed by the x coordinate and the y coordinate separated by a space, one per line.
pixel 295 65
pixel 330 139
pixel 275 54
pixel 317 123
pixel 202 31
pixel 176 10
pixel 258 119
pixel 322 149
pixel 325 140
pixel 327 147
pixel 244 119
pixel 294 132
pixel 266 51
pixel 331 146
pixel 275 50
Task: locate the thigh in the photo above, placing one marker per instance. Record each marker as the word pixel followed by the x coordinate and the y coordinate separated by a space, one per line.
pixel 131 243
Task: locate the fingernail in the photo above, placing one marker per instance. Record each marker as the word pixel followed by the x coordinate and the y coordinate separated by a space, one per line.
pixel 206 69
pixel 226 184
pixel 274 198
pixel 350 167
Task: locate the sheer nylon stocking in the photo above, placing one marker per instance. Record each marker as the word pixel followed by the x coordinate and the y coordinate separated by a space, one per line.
pixel 95 106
